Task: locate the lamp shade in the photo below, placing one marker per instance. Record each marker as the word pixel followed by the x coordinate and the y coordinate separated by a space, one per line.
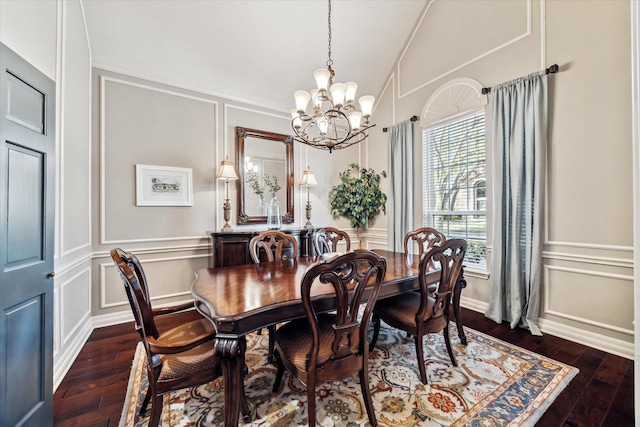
pixel 227 171
pixel 350 94
pixel 338 91
pixel 355 119
pixel 302 99
pixel 366 104
pixel 322 77
pixel 308 179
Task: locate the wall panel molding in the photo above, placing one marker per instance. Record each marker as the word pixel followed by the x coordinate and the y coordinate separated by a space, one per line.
pixel 62 83
pixel 104 240
pixel 589 246
pixel 109 265
pixel 176 85
pixel 526 33
pixel 546 304
pixel 594 260
pixel 85 315
pixel 157 250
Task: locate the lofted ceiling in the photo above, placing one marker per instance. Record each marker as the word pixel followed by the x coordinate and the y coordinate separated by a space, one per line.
pixel 259 51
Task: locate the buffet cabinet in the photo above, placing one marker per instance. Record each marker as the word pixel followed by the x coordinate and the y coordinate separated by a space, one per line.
pixel 232 248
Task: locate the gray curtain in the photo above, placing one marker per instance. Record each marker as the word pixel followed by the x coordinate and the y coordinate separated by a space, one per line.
pixel 400 183
pixel 519 144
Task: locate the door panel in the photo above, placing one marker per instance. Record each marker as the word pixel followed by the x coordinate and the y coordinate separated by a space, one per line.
pixel 25 331
pixel 27 160
pixel 25 215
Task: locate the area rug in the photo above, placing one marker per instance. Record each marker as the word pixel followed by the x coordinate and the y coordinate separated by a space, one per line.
pixel 494 384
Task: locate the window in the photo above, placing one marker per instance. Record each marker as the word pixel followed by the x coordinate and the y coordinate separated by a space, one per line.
pixel 454 182
pixel 481 195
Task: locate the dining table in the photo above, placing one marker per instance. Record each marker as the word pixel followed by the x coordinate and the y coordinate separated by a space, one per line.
pixel 242 299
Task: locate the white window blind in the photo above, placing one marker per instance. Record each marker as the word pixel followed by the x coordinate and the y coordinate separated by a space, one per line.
pixel 454 182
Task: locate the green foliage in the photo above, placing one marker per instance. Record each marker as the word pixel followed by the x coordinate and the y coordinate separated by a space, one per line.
pixel 255 185
pixel 272 183
pixel 358 198
pixel 476 252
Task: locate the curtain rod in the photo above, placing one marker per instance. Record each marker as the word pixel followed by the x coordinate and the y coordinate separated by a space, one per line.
pixel 551 70
pixel 413 119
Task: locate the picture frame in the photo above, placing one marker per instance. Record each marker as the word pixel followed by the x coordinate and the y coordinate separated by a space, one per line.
pixel 163 186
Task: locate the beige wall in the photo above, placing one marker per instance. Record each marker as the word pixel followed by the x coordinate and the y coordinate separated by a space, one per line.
pixel 588 270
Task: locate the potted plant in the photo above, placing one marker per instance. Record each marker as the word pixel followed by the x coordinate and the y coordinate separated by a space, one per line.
pixel 358 197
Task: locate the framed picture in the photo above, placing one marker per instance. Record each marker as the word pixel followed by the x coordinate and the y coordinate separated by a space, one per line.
pixel 163 186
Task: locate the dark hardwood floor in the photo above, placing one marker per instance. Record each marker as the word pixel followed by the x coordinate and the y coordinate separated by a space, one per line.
pixel 93 391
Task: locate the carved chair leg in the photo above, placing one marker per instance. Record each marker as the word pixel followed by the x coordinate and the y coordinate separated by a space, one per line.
pixel 461 283
pixel 279 372
pixel 145 403
pixel 272 343
pixel 447 341
pixel 366 395
pixel 420 357
pixel 156 411
pixel 376 330
pixel 311 401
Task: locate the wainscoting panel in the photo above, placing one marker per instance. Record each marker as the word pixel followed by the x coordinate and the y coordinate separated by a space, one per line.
pixel 599 295
pixel 72 314
pixel 75 304
pixel 168 277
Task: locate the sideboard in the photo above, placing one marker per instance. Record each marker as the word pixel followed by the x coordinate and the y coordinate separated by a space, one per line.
pixel 232 248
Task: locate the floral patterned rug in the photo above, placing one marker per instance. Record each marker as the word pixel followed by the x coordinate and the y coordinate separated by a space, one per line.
pixel 495 384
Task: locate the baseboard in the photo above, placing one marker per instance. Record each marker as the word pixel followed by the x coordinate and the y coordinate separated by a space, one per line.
pixel 601 342
pixel 64 359
pixel 112 319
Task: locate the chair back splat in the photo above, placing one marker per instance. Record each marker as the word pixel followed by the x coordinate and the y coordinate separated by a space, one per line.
pixel 327 239
pixel 330 346
pixel 425 238
pixel 274 244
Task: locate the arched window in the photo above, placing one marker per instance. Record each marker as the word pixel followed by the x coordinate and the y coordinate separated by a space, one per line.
pixel 454 166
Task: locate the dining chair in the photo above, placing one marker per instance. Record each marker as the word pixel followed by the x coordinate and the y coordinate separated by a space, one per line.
pixel 273 244
pixel 332 346
pixel 425 238
pixel 421 313
pixel 326 240
pixel 181 357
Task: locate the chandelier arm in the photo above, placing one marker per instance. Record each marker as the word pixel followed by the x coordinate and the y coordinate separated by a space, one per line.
pixel 361 133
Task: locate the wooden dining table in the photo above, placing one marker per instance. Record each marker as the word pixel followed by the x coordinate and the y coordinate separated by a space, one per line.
pixel 242 299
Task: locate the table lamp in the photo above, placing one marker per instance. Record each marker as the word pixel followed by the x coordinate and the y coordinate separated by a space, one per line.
pixel 308 180
pixel 228 173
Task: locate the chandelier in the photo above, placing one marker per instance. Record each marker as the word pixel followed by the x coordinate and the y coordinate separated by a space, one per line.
pixel 333 122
